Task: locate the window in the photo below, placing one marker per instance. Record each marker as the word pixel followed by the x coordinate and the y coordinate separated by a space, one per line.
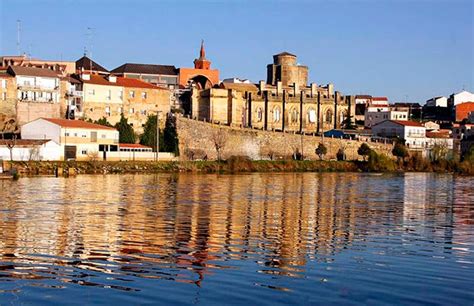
pixel 120 110
pixel 4 96
pixel 91 92
pixel 311 116
pixel 143 95
pixel 109 95
pixel 132 94
pixel 107 110
pixel 120 94
pixel 259 114
pixel 276 114
pixel 4 83
pixel 103 135
pixel 294 115
pixel 84 152
pixel 66 134
pixel 329 116
pixel 132 110
pixel 75 134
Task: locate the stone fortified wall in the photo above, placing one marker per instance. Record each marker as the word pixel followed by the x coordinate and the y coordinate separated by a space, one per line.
pixel 198 138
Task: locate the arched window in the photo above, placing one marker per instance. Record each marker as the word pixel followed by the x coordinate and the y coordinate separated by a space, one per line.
pixel 311 115
pixel 293 115
pixel 276 114
pixel 328 116
pixel 259 114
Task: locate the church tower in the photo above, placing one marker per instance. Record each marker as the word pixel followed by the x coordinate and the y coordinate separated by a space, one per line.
pixel 202 62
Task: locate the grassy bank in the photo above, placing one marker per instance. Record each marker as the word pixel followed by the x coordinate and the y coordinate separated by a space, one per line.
pixel 375 163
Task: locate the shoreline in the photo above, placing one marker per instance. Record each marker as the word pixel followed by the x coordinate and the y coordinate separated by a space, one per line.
pixel 232 165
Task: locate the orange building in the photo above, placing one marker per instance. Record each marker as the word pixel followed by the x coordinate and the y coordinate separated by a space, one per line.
pixel 462 110
pixel 201 75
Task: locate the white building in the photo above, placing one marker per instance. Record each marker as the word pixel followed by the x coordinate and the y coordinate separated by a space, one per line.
pixel 36 84
pixel 237 81
pixel 77 139
pixel 461 97
pixel 431 126
pixel 29 150
pixel 374 117
pixel 437 102
pixel 412 132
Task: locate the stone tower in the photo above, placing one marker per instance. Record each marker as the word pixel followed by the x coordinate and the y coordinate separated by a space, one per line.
pixel 202 62
pixel 286 70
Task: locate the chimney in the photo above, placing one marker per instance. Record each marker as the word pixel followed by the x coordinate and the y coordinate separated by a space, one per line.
pixel 112 78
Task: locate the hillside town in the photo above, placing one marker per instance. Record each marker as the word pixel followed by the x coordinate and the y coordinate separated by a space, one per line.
pixel 79 110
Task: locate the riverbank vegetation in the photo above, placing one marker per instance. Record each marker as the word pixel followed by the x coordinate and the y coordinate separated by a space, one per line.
pixel 375 163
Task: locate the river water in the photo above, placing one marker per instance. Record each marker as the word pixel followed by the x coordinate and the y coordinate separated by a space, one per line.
pixel 253 239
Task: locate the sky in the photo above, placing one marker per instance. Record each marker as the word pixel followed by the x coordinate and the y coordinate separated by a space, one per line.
pixel 407 50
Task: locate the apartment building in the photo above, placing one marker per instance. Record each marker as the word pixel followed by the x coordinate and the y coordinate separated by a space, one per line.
pixel 36 93
pixel 413 133
pixel 110 96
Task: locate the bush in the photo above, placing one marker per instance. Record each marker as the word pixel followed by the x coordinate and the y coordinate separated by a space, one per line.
pixel 380 162
pixel 400 151
pixel 340 155
pixel 364 150
pixel 239 163
pixel 321 150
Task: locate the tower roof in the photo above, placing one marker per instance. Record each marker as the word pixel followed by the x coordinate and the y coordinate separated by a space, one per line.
pixel 202 52
pixel 285 53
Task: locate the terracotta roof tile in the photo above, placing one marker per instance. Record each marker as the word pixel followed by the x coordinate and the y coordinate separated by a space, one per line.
pixel 407 123
pixel 125 82
pixel 133 145
pixel 77 124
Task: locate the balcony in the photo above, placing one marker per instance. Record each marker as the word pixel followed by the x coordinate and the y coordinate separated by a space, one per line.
pixel 74 93
pixel 36 88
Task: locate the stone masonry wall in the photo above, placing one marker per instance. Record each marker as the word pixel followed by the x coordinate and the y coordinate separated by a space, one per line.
pixel 200 137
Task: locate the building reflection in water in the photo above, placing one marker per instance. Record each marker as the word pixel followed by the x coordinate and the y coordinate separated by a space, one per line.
pixel 186 227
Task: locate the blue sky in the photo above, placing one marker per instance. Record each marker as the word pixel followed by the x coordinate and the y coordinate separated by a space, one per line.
pixel 414 49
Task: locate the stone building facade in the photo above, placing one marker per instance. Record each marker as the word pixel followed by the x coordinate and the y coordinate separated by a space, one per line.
pixel 284 103
pixel 111 96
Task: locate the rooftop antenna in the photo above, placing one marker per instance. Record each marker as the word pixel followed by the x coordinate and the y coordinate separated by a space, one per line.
pixel 90 34
pixel 18 33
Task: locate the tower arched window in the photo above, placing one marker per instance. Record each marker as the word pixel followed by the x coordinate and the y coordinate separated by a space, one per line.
pixel 259 114
pixel 328 116
pixel 311 115
pixel 294 115
pixel 276 114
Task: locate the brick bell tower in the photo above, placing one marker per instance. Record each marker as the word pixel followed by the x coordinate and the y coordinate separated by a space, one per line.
pixel 202 62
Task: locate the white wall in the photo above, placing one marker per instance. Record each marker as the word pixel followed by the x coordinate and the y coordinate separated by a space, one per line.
pixel 49 151
pixel 41 129
pixel 463 96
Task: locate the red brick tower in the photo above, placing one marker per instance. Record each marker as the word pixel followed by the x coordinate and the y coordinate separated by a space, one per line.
pixel 202 62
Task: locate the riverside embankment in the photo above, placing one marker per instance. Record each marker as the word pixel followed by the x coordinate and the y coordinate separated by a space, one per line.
pixel 239 164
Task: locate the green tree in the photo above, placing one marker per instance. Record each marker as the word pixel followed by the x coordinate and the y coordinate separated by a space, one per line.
pixel 348 123
pixel 103 121
pixel 341 155
pixel 321 150
pixel 170 136
pixel 148 138
pixel 126 133
pixel 364 150
pixel 400 151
